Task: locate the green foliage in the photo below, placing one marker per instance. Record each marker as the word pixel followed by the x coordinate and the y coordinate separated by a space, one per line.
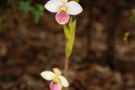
pixel 25 6
pixel 133 16
pixel 3 24
pixel 36 10
pixel 70 36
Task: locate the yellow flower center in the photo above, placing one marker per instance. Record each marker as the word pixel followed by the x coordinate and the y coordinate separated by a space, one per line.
pixel 56 79
pixel 63 9
pixel 57 73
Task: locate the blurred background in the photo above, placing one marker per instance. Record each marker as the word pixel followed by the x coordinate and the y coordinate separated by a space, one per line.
pixel 31 41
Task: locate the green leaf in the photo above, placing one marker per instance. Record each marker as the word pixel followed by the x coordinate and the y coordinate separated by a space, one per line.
pixel 70 41
pixel 69 47
pixel 67 32
pixel 25 6
pixel 40 7
pixel 37 12
pixel 72 26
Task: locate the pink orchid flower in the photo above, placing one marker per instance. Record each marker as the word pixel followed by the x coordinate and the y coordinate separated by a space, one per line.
pixel 57 80
pixel 63 9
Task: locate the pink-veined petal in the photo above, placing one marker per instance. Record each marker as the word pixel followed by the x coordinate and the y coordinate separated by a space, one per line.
pixel 53 5
pixel 55 86
pixel 48 75
pixel 73 8
pixel 62 18
pixel 64 81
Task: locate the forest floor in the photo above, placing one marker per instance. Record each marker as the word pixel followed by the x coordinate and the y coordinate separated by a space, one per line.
pixel 27 49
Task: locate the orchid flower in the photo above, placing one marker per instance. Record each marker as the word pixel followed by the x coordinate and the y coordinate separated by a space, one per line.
pixel 57 80
pixel 63 9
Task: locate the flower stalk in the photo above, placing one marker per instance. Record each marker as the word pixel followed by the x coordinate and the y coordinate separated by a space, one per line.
pixel 69 32
pixel 66 66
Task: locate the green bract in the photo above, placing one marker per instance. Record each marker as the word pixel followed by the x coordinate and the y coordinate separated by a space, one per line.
pixel 70 36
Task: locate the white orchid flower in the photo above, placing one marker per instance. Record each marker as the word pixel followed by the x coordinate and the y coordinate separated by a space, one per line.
pixel 57 80
pixel 63 9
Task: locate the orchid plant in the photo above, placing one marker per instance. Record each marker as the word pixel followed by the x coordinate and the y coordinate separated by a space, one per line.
pixel 64 10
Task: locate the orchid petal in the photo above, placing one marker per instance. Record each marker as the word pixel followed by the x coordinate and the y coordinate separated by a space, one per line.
pixel 55 86
pixel 62 18
pixel 74 8
pixel 57 71
pixel 53 5
pixel 48 75
pixel 64 81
